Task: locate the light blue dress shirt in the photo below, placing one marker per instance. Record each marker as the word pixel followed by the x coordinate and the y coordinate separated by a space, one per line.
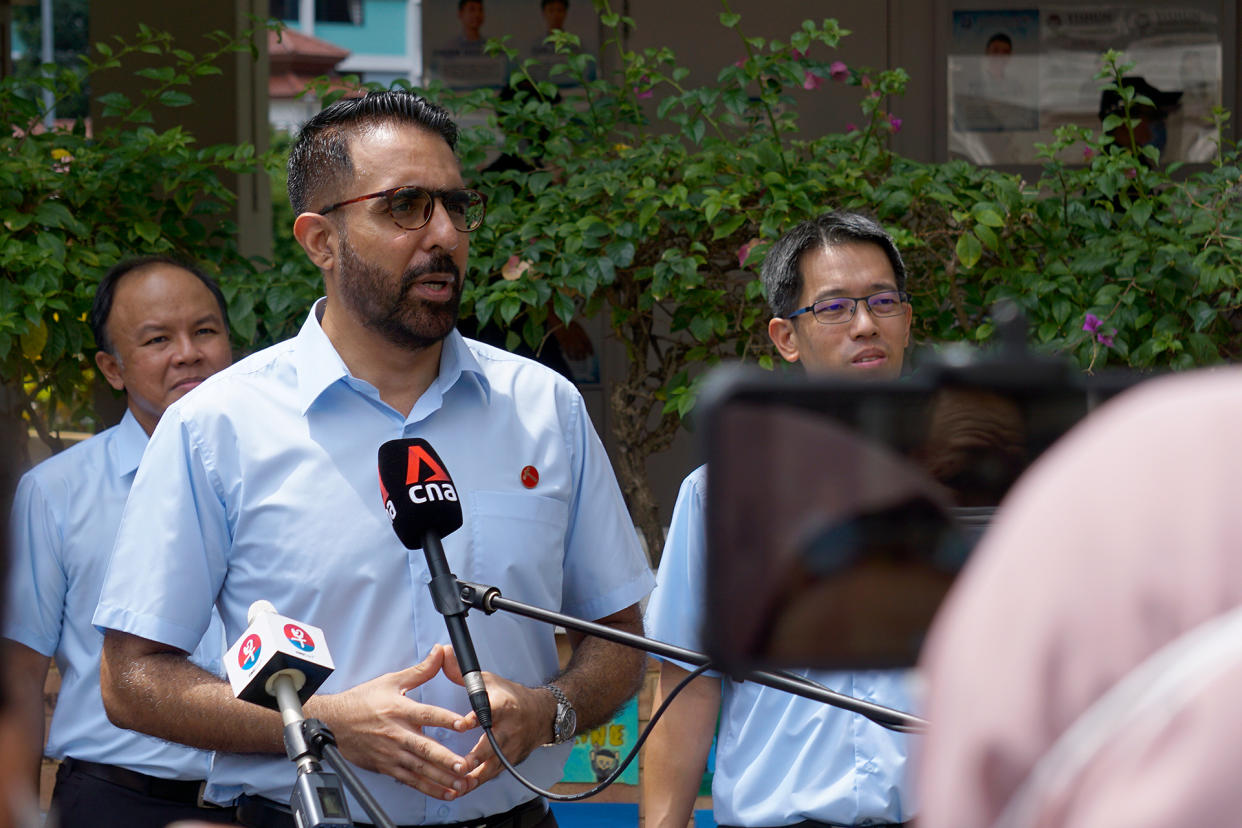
pixel 781 758
pixel 263 485
pixel 65 517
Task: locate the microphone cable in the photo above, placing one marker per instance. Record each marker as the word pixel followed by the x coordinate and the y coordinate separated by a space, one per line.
pixel 612 777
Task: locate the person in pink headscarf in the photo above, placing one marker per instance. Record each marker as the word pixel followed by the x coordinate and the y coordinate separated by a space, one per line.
pixel 1086 668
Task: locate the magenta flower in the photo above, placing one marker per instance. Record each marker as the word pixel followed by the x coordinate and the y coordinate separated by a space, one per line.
pixel 798 54
pixel 740 63
pixel 1132 173
pixel 1087 153
pixel 638 89
pixel 743 252
pixel 895 123
pixel 1092 323
pixel 851 127
pixel 812 81
pixel 839 71
pixel 875 93
pixel 1105 339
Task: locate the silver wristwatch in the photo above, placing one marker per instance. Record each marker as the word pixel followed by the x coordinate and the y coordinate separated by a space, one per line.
pixel 565 723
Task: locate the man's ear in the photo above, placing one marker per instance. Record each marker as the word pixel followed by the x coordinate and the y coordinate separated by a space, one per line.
pixel 317 235
pixel 784 337
pixel 909 319
pixel 110 367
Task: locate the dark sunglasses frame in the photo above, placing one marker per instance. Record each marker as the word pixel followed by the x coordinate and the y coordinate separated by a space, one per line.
pixel 432 196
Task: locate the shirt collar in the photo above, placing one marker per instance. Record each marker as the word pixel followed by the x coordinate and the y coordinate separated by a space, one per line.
pixel 128 443
pixel 319 366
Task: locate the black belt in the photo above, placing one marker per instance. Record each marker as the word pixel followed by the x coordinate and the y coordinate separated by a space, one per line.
pixel 260 812
pixel 184 791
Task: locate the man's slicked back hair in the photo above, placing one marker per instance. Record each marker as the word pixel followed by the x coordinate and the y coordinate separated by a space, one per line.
pixel 319 160
pixel 101 308
pixel 781 273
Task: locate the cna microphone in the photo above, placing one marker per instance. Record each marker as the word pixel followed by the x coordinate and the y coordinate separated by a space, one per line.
pixel 422 503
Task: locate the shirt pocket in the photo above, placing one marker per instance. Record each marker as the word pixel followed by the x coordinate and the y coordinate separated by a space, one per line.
pixel 518 542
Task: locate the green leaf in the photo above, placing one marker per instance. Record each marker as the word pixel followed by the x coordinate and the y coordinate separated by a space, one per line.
pixel 986 214
pixel 1140 212
pixel 986 235
pixel 968 250
pixel 174 98
pixel 147 230
pixel 729 19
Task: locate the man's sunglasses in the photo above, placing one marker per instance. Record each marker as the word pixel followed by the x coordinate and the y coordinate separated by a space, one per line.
pixel 411 207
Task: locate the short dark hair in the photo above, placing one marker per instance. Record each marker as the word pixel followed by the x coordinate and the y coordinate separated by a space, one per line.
pixel 319 159
pixel 101 309
pixel 999 37
pixel 461 4
pixel 543 4
pixel 782 274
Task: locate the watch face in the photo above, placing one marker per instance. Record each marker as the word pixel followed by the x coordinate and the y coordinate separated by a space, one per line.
pixel 566 723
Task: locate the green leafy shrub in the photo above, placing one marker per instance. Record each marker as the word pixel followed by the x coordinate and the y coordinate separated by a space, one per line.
pixel 655 202
pixel 72 204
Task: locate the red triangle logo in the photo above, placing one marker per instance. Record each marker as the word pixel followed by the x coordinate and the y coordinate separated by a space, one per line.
pixel 419 458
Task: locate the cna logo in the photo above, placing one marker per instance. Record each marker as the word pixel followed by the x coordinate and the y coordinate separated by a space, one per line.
pixel 426 478
pixel 248 655
pixel 299 638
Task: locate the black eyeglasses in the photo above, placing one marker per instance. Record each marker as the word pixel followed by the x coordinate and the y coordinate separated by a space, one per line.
pixel 840 309
pixel 411 207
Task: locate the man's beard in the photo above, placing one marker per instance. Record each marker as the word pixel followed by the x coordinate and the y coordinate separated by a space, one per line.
pixel 386 308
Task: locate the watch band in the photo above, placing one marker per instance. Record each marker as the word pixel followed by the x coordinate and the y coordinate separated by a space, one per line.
pixel 565 717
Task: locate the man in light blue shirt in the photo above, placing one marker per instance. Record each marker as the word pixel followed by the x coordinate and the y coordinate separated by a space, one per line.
pixel 275 496
pixel 836 286
pixel 162 329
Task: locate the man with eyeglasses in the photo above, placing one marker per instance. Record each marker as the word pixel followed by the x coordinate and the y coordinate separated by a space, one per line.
pixel 267 489
pixel 836 286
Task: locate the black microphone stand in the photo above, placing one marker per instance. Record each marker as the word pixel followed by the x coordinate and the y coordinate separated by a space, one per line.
pixel 316 800
pixel 489 600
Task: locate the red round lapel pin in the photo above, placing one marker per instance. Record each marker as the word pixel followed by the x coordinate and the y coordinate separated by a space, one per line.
pixel 530 477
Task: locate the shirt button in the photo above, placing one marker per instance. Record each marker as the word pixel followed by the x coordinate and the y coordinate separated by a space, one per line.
pixel 442 810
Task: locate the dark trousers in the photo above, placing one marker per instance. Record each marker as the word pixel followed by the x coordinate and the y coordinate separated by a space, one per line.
pixel 83 801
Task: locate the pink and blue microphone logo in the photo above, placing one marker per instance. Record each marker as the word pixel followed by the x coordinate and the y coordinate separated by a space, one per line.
pixel 299 638
pixel 248 654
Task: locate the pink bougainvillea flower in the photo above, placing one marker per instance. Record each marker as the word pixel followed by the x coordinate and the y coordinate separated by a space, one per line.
pixel 1087 153
pixel 895 123
pixel 744 251
pixel 639 91
pixel 851 127
pixel 812 81
pixel 1131 173
pixel 514 268
pixel 866 81
pixel 798 54
pixel 1091 323
pixel 1105 339
pixel 740 63
pixel 875 93
pixel 839 71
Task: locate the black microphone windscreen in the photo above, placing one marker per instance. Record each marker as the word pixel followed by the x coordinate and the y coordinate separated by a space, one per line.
pixel 418 493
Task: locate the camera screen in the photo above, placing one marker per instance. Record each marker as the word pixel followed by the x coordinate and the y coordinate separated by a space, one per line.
pixel 839 513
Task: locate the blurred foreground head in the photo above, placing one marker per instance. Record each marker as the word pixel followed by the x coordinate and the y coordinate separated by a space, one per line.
pixel 1086 666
